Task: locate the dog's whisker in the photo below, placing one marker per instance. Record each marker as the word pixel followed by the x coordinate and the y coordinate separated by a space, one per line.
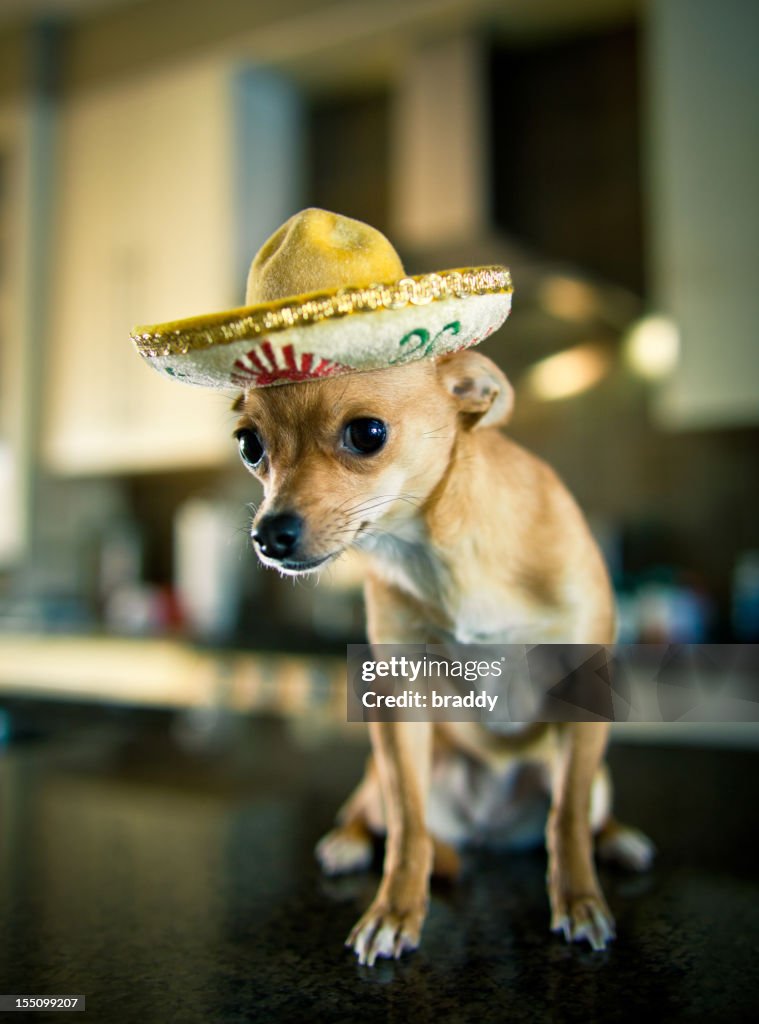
pixel 380 500
pixel 378 497
pixel 362 505
pixel 342 504
pixel 435 432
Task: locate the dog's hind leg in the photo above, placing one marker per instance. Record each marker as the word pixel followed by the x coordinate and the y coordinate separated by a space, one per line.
pixel 616 842
pixel 349 845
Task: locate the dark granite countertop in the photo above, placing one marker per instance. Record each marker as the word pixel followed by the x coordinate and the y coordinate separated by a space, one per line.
pixel 171 879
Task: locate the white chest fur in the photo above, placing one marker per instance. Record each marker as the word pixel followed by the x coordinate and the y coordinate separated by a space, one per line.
pixel 403 558
pixel 475 606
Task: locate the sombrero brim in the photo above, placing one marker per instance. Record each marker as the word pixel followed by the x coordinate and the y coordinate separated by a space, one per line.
pixel 322 334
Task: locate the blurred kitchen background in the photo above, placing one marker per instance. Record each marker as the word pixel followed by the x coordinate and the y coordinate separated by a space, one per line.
pixel 607 150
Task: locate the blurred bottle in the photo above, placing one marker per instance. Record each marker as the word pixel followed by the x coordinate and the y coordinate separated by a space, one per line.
pixel 126 604
pixel 121 556
pixel 207 568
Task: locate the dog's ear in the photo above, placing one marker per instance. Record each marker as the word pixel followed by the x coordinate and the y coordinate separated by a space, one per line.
pixel 482 391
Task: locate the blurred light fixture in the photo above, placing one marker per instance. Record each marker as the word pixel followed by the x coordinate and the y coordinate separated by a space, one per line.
pixel 568 298
pixel 652 347
pixel 568 373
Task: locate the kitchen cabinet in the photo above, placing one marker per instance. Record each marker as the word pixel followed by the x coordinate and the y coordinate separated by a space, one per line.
pixel 703 157
pixel 150 199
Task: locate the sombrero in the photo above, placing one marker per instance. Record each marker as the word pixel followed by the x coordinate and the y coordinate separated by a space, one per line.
pixel 327 295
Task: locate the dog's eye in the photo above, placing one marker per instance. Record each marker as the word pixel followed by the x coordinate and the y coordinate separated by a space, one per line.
pixel 251 449
pixel 365 436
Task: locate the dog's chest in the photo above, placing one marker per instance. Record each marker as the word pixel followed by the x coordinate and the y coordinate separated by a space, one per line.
pixel 463 603
pixel 404 560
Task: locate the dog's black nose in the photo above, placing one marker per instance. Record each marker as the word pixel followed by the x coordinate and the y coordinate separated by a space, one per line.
pixel 277 536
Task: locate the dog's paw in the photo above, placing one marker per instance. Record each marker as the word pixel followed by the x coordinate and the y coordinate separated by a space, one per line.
pixel 585 917
pixel 385 932
pixel 344 849
pixel 628 847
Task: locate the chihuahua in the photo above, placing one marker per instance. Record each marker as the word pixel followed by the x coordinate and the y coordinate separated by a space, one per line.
pixel 468 537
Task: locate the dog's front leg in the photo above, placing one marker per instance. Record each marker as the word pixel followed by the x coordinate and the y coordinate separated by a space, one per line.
pixel 402 755
pixel 578 908
pixel 393 922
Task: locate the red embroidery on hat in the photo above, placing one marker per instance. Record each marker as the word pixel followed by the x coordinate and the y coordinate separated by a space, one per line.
pixel 266 365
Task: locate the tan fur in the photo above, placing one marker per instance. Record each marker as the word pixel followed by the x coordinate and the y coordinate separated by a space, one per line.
pixel 468 537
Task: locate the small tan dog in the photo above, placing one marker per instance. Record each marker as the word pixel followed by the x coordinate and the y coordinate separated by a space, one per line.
pixel 369 420
pixel 468 536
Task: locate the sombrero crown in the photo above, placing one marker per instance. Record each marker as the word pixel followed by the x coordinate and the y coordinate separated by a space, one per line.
pixel 326 295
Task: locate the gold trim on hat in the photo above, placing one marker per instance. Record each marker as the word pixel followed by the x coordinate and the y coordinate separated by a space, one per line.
pixel 197 333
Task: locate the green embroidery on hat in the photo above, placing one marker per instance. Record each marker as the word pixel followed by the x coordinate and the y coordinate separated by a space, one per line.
pixel 454 327
pixel 421 335
pixel 424 344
